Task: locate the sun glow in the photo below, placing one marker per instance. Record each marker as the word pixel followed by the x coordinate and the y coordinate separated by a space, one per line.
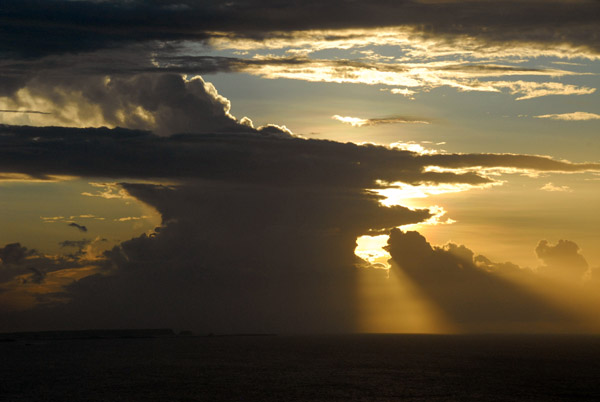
pixel 390 303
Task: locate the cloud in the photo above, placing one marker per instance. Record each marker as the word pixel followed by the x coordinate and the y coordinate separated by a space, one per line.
pixel 130 218
pixel 530 90
pixel 358 122
pixel 88 26
pixel 13 253
pixel 78 226
pixel 575 116
pixel 224 262
pixel 403 91
pixel 562 259
pixel 75 243
pixel 22 111
pixel 478 295
pixel 258 231
pixel 164 103
pixel 52 219
pixel 553 188
pixel 108 191
pixel 233 157
pixel 95 46
pixel 30 279
pixel 422 76
pixel 258 227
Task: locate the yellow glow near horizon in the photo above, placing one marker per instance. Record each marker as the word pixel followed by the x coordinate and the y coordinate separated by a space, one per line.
pixel 393 304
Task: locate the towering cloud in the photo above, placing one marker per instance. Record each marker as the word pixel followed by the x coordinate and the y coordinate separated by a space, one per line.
pixel 259 225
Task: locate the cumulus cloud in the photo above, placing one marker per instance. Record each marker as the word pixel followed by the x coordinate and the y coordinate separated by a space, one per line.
pixel 575 116
pixel 477 294
pixel 164 103
pixel 563 259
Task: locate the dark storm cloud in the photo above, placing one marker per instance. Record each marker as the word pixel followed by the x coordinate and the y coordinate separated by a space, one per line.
pixel 231 258
pixel 249 157
pixel 258 234
pixel 33 28
pixel 78 226
pixel 475 293
pixel 245 157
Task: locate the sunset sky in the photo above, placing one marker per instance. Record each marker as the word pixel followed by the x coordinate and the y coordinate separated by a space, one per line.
pixel 315 166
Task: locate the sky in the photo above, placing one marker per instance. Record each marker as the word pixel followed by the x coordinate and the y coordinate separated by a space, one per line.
pixel 414 166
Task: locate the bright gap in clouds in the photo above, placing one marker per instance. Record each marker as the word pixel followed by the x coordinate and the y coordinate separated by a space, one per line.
pixel 371 248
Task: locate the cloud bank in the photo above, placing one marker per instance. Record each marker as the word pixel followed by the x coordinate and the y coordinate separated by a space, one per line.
pixel 57 26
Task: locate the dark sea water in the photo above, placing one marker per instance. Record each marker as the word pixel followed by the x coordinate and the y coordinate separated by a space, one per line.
pixel 303 368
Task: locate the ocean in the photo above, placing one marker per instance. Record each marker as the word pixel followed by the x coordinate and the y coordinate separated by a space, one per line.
pixel 303 368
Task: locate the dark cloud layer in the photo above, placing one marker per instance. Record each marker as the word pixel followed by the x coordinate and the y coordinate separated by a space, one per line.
pixel 249 157
pixel 33 28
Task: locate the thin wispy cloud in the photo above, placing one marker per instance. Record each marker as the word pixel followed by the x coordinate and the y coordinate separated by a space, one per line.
pixel 575 116
pixel 23 111
pixel 359 122
pixel 553 188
